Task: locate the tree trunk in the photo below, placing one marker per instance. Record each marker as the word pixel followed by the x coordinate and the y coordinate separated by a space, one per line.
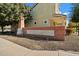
pixel 78 29
pixel 2 27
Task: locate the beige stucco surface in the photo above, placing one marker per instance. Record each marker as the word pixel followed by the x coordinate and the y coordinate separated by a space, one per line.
pixel 58 20
pixel 42 12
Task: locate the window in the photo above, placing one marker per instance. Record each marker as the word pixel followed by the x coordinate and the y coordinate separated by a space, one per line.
pixel 34 22
pixel 45 21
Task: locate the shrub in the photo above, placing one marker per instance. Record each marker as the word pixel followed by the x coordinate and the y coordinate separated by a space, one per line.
pixel 69 31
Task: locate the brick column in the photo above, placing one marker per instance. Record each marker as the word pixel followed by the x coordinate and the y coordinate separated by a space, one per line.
pixel 20 25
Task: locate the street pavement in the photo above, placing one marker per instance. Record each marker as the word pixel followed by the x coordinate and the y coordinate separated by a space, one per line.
pixel 8 48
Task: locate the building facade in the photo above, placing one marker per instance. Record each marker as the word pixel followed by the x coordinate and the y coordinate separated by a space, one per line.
pixel 47 21
pixel 47 14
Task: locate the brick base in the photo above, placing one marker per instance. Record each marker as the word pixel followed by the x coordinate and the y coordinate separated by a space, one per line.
pixel 59 31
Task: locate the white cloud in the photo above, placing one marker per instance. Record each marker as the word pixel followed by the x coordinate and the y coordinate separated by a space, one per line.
pixel 65 13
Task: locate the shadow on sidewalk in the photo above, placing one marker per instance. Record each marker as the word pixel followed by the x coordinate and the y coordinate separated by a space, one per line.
pixel 33 37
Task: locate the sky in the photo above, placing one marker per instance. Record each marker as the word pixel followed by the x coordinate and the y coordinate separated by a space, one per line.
pixel 65 8
pixel 29 4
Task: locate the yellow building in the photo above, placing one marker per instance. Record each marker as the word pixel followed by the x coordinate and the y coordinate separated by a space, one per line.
pixel 47 14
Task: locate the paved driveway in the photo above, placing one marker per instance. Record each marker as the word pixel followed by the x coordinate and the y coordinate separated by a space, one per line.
pixel 8 48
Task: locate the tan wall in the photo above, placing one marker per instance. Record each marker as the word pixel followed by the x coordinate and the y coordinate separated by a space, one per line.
pixel 44 12
pixel 41 12
pixel 58 21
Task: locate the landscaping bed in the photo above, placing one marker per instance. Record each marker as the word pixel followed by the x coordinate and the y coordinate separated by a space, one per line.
pixel 71 43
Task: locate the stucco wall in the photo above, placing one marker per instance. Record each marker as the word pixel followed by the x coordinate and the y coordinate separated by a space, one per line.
pixel 42 12
pixel 58 21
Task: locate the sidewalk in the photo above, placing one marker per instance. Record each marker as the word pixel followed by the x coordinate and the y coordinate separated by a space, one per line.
pixel 8 48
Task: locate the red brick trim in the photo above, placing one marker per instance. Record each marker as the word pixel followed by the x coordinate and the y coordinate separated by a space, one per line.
pixel 59 31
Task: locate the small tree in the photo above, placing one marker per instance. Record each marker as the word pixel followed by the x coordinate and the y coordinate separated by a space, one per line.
pixel 28 17
pixel 75 15
pixel 11 12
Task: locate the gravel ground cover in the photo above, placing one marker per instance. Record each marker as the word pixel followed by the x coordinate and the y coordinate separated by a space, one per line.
pixel 71 43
